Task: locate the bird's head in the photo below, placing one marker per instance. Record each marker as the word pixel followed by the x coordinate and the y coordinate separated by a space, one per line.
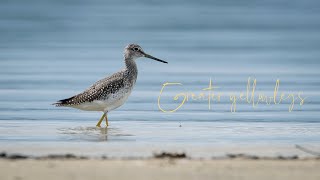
pixel 134 51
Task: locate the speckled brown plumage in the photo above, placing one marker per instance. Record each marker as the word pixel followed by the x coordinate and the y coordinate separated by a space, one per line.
pixel 98 90
pixel 110 92
pixel 102 89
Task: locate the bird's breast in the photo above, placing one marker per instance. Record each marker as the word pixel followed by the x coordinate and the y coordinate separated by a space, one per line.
pixel 115 100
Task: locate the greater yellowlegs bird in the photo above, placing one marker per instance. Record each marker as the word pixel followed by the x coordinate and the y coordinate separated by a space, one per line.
pixel 111 92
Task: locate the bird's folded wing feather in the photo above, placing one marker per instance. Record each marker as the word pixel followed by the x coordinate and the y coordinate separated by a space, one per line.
pixel 98 90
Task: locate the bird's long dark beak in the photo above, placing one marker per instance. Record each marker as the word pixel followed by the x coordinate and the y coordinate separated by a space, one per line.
pixel 151 57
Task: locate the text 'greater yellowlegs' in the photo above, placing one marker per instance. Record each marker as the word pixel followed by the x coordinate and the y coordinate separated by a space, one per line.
pixel 111 92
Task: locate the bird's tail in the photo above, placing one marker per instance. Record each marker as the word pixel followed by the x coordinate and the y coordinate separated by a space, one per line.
pixel 63 102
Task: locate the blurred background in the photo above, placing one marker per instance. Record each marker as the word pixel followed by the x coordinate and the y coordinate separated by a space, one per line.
pixel 53 49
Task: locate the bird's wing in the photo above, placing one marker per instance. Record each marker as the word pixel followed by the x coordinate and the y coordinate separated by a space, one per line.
pixel 98 90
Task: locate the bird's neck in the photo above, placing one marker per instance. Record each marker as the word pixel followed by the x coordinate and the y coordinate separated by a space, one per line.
pixel 131 67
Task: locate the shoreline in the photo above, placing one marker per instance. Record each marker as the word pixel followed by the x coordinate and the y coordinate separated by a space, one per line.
pixel 161 155
pixel 140 153
pixel 119 150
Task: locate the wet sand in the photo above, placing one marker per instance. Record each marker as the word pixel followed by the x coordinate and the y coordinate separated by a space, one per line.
pixel 159 169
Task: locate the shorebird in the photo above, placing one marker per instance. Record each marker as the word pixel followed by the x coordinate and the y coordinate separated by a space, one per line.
pixel 110 92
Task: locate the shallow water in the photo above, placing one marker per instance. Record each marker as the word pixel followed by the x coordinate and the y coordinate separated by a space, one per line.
pixel 50 50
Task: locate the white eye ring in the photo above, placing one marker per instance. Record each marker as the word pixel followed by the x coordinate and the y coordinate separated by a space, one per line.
pixel 136 49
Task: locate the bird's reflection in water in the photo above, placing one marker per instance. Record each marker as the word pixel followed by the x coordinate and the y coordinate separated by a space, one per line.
pixel 95 134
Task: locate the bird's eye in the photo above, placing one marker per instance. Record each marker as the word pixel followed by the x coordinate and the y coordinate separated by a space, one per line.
pixel 136 49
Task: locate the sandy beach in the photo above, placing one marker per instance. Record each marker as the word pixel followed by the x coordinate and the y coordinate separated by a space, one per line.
pixel 159 169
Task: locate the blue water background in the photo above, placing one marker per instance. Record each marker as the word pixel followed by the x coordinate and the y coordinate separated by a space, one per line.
pixel 50 50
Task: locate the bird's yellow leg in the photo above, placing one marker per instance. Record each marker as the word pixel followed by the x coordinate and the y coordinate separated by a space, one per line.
pixel 101 119
pixel 106 116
